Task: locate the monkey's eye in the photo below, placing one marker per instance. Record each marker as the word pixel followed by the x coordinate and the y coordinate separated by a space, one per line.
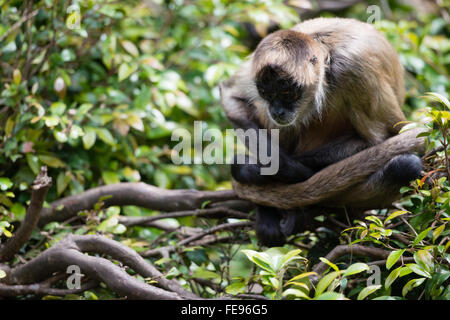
pixel 289 96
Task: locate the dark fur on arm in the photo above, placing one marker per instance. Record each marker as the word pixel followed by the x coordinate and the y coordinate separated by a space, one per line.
pixel 290 170
pixel 332 152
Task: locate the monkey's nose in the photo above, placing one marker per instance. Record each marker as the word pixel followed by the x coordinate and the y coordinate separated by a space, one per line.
pixel 279 112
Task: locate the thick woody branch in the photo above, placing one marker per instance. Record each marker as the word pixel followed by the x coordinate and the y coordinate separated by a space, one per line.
pixel 71 251
pixel 21 236
pixel 332 185
pixel 129 257
pixel 138 194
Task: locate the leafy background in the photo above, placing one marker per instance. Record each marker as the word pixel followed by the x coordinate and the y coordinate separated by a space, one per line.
pixel 98 105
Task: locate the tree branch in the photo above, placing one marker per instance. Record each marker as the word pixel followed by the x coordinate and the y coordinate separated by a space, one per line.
pixel 355 249
pixel 132 193
pixel 40 188
pixel 218 212
pixel 70 251
pixel 18 24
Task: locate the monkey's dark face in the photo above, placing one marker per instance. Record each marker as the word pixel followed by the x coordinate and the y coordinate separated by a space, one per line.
pixel 281 92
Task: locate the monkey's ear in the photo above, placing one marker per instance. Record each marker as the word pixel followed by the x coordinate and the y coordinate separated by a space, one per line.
pixel 313 60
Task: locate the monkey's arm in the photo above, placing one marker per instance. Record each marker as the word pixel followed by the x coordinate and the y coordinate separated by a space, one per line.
pixel 238 111
pixel 332 152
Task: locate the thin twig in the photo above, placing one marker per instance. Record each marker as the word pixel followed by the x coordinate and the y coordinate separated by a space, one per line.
pixel 18 24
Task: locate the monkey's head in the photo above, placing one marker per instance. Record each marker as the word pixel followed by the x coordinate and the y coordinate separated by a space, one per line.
pixel 288 70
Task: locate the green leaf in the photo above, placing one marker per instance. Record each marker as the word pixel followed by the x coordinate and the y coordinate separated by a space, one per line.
pixel 52 161
pixel 391 277
pixel 19 211
pixel 395 214
pixel 404 271
pixel 367 291
pixel 51 121
pixel 110 177
pixel 213 74
pixel 130 47
pixel 376 220
pixel 125 70
pixel 302 275
pixel 84 108
pixel 62 181
pixel 205 203
pixel 411 285
pixel 421 236
pixel 17 77
pixel 425 259
pixel 105 136
pixel 438 97
pixel 205 274
pixel 356 268
pixel 135 122
pixel 5 184
pixel 236 288
pixel 331 264
pixel 76 132
pixel 393 257
pixel 118 229
pixel 417 269
pixel 296 293
pixel 290 256
pixel 162 180
pixel 261 259
pixel 9 126
pixel 326 281
pixel 107 224
pixel 60 136
pixel 6 232
pixel 58 108
pixel 437 232
pixel 112 211
pixel 89 138
pixel 331 296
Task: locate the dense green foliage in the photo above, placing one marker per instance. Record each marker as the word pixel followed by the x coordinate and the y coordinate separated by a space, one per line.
pixel 97 104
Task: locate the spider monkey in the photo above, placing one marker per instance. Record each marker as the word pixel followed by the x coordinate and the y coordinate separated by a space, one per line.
pixel 333 87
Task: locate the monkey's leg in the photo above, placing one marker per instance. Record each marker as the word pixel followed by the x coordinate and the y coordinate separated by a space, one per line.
pixel 274 225
pixel 380 190
pixel 382 187
pixel 267 226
